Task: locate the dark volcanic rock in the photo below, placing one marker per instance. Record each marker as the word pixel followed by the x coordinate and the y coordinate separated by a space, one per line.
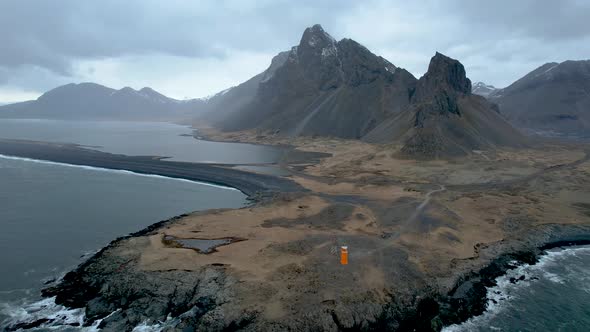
pixel 444 75
pixel 328 88
pixel 444 118
pixel 111 280
pixel 205 299
pixel 554 97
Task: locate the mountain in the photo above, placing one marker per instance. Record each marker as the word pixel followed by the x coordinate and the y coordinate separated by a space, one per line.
pixel 226 103
pixel 323 87
pixel 444 119
pixel 482 89
pixel 554 97
pixel 89 101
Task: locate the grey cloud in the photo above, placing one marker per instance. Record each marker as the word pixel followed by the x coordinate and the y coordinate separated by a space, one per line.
pixel 545 20
pixel 50 33
pixel 42 40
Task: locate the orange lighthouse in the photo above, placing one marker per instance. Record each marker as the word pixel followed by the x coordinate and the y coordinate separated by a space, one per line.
pixel 344 255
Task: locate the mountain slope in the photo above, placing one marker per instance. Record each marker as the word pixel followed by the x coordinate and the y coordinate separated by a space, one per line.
pixel 444 118
pixel 554 97
pixel 326 87
pixel 89 101
pixel 224 104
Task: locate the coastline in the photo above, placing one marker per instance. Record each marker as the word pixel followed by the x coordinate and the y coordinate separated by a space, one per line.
pixel 251 184
pixel 448 300
pixel 468 297
pixel 115 170
pixel 432 312
pixel 526 281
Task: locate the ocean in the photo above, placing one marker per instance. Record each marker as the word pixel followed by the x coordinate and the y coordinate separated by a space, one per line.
pixel 54 216
pixel 138 139
pixel 554 296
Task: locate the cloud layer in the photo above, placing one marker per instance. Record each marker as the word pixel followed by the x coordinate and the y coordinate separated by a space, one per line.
pixel 195 48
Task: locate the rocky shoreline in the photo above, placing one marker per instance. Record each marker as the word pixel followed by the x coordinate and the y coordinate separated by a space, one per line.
pixel 468 297
pixel 91 286
pixel 133 280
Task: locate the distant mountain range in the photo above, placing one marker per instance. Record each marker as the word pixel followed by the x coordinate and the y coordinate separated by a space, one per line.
pixel 482 89
pixel 554 98
pixel 89 101
pixel 333 88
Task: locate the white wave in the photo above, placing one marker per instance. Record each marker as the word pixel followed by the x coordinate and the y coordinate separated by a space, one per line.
pixel 146 327
pixel 500 296
pixel 60 317
pixel 553 277
pixel 119 171
pixel 158 326
pixel 44 309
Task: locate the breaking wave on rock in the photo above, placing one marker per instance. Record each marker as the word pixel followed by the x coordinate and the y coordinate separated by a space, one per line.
pixel 532 296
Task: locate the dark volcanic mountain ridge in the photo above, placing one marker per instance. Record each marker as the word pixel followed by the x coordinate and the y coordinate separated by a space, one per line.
pixel 328 88
pixel 552 98
pixel 444 118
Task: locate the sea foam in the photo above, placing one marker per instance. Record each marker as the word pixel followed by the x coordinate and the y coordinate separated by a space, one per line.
pixel 500 296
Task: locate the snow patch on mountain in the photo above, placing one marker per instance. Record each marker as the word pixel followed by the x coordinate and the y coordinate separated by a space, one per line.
pixel 218 94
pixel 329 51
pixel 483 89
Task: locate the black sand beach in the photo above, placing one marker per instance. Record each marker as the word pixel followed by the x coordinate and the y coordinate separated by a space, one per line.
pixel 249 183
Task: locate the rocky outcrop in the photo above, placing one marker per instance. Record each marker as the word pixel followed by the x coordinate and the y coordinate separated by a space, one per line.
pixel 553 99
pixel 444 118
pixel 113 288
pixel 328 88
pixel 444 75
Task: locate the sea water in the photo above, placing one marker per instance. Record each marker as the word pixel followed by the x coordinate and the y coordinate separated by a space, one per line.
pixel 53 216
pixel 138 139
pixel 554 296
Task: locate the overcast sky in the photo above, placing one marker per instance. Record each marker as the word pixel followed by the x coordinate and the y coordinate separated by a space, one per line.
pixel 196 48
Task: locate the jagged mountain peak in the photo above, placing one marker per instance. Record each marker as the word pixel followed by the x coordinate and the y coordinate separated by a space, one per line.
pixel 445 73
pixel 325 87
pixel 316 46
pixel 316 37
pixel 441 86
pixel 444 119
